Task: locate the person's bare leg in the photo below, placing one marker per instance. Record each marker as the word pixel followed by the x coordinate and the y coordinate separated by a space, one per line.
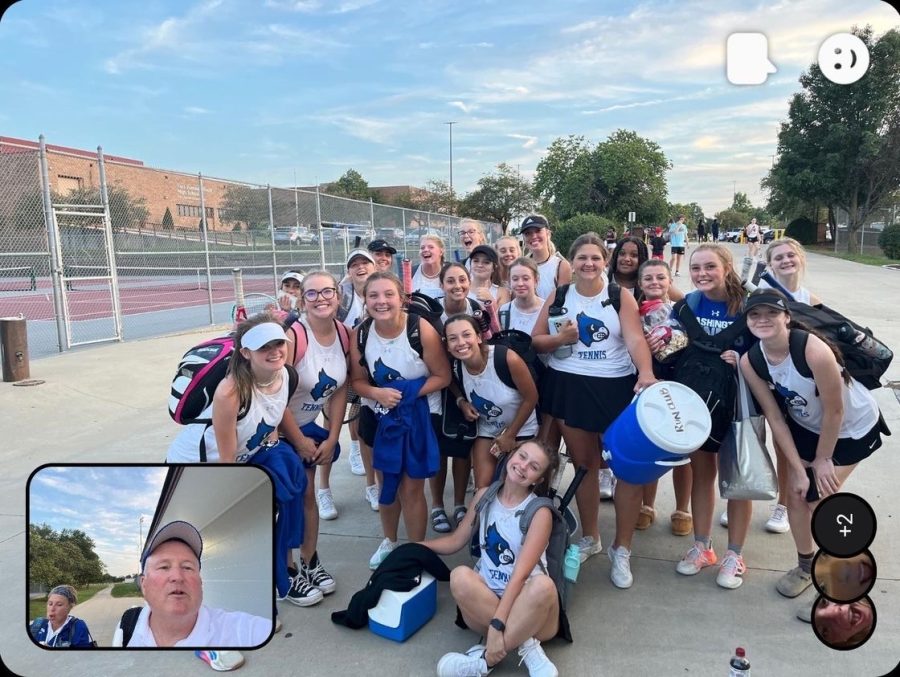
pixel 437 483
pixel 414 508
pixel 584 449
pixel 311 515
pixel 628 506
pixel 390 515
pixel 485 463
pixel 461 469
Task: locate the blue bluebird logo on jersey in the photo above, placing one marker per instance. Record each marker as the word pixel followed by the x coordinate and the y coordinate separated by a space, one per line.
pixel 324 387
pixel 497 547
pixel 262 432
pixel 484 406
pixel 591 330
pixel 793 398
pixel 384 374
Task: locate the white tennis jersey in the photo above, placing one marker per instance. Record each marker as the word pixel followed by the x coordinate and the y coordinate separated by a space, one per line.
pixel 495 401
pixel 322 370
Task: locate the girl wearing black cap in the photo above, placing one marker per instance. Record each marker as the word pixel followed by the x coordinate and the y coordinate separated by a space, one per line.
pixel 823 421
pixel 553 268
pixel 485 269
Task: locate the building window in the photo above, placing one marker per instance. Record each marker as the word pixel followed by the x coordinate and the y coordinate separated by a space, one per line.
pixel 69 184
pixel 188 210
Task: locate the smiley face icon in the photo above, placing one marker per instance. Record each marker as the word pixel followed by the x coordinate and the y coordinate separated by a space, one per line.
pixel 843 58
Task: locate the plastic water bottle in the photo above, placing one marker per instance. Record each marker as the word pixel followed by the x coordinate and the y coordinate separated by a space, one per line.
pixel 740 666
pixel 871 346
pixel 572 563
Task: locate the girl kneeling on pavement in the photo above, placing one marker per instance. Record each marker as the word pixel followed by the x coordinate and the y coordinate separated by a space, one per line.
pixel 507 598
pixel 832 421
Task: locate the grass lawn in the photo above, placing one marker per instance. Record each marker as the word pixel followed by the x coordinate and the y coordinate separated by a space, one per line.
pixel 126 590
pixel 38 607
pixel 867 259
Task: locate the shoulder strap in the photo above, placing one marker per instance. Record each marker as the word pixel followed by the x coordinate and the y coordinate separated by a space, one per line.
pixel 293 380
pixel 344 336
pixel 473 304
pixel 128 622
pixel 456 367
pixel 362 336
pixel 615 296
pixel 559 300
pixel 758 362
pixel 414 334
pixel 505 317
pixel 501 365
pixel 797 345
pixel 530 511
pixel 483 502
pixel 685 311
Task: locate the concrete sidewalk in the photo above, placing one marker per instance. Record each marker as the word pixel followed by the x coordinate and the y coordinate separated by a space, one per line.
pixel 107 404
pixel 102 613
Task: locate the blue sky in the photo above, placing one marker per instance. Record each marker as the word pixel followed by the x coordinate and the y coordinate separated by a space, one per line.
pixel 260 89
pixel 105 502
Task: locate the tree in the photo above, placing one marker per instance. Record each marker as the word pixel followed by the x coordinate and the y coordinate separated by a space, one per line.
pixel 499 197
pixel 243 204
pixel 732 219
pixel 351 185
pixel 62 557
pixel 168 223
pixel 564 234
pixel 125 210
pixel 840 146
pixel 692 212
pixel 624 173
pixel 741 203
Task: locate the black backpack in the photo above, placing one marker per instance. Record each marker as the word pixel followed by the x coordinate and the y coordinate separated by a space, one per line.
pixel 128 623
pixel 520 342
pixel 614 300
pixel 702 369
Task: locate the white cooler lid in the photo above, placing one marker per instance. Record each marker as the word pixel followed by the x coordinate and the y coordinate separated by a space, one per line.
pixel 390 604
pixel 673 417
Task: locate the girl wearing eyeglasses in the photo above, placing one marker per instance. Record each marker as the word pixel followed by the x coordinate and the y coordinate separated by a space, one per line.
pixel 322 385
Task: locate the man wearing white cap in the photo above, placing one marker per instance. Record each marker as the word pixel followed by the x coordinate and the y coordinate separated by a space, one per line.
pixel 174 615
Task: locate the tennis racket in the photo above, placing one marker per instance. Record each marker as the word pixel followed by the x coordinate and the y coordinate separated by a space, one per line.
pixel 406 274
pixel 239 312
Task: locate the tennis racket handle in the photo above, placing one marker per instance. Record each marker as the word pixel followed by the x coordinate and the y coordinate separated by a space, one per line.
pixel 406 267
pixel 573 487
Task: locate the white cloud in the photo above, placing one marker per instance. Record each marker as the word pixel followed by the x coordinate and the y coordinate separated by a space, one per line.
pixel 196 110
pixel 530 141
pixel 465 108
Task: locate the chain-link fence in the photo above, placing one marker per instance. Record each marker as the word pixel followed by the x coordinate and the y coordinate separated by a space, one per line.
pixel 152 251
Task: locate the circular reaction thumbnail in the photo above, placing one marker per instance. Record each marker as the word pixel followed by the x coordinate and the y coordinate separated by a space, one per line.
pixel 843 525
pixel 843 58
pixel 843 626
pixel 844 579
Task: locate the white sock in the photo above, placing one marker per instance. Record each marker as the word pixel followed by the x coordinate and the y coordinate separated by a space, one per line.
pixel 354 447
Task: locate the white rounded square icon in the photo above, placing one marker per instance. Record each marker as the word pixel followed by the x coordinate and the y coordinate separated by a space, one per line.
pixel 747 59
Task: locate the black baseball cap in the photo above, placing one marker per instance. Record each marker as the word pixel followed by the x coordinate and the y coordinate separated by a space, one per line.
pixel 766 297
pixel 381 245
pixel 487 250
pixel 534 221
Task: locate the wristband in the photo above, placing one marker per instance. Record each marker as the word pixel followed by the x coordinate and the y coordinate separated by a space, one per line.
pixel 497 624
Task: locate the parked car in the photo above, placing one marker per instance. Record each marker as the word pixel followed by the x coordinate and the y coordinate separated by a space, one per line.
pixel 293 235
pixel 768 234
pixel 413 237
pixel 731 235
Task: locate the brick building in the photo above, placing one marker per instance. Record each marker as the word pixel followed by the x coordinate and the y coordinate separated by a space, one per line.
pixel 74 169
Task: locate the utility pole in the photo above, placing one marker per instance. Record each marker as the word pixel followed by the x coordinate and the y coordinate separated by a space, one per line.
pixel 450 125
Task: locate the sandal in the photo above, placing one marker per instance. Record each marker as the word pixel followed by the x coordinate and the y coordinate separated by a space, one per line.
pixel 646 517
pixel 459 513
pixel 682 523
pixel 439 521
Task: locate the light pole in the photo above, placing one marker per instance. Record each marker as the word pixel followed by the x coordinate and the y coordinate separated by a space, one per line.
pixel 733 192
pixel 450 125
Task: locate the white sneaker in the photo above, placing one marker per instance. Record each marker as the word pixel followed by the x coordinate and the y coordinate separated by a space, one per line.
pixel 221 661
pixel 723 518
pixel 372 496
pixel 386 548
pixel 607 484
pixel 778 522
pixel 356 462
pixel 588 547
pixel 620 574
pixel 731 571
pixel 327 511
pixel 468 664
pixel 536 660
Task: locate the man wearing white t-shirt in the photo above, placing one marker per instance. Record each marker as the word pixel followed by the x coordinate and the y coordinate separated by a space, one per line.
pixel 174 614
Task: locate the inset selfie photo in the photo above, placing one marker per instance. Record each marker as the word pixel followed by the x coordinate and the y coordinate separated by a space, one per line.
pixel 150 556
pixel 843 626
pixel 844 579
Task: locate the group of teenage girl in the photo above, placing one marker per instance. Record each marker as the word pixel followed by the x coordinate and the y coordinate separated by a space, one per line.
pixel 590 369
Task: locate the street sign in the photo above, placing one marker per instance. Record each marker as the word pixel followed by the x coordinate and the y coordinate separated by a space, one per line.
pixel 631 218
